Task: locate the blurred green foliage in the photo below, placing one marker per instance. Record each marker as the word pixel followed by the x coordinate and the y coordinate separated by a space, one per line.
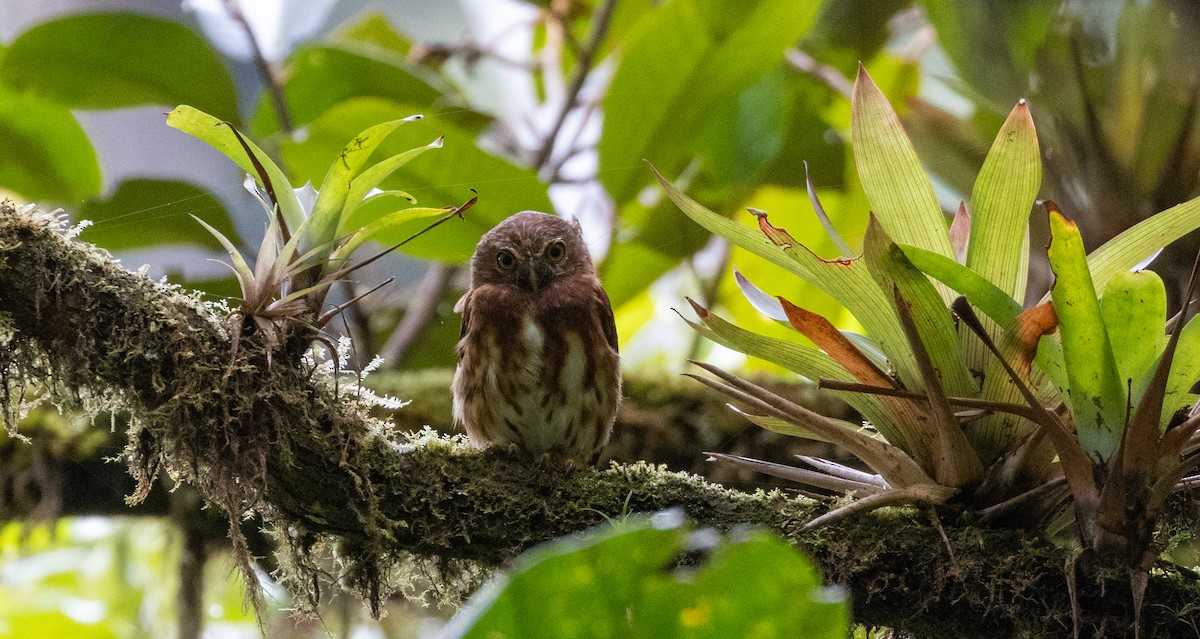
pixel 621 581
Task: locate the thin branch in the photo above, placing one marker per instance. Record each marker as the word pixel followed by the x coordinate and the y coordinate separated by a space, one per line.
pixel 265 72
pixel 358 316
pixel 827 75
pixel 422 308
pixel 583 67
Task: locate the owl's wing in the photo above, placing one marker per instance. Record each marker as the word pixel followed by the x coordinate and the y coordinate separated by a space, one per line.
pixel 607 323
pixel 463 305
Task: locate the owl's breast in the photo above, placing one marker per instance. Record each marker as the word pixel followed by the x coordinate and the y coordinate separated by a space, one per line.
pixel 539 373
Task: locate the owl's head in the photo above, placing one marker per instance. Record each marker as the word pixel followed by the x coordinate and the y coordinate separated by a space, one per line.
pixel 529 251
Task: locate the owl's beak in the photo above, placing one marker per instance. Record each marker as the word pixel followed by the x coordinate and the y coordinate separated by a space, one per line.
pixel 539 276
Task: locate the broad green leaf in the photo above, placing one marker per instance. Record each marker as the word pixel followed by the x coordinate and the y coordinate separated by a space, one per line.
pixel 616 582
pixel 444 180
pixel 145 213
pixel 677 63
pixel 115 60
pixel 48 155
pixel 1134 307
pixel 891 268
pixel 992 45
pixel 321 76
pixel 630 267
pixel 373 29
pixel 900 192
pixel 220 137
pixel 1097 396
pixel 1185 372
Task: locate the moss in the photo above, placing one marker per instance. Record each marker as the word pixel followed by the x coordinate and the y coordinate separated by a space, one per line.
pixel 278 440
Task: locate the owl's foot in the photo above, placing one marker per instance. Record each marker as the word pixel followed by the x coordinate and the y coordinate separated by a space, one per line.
pixel 549 460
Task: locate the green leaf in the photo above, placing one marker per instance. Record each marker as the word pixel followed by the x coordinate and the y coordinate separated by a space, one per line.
pixel 389 228
pixel 988 297
pixel 1185 371
pixel 320 76
pixel 328 211
pixel 447 179
pixel 630 267
pixel 1134 307
pixel 992 45
pixel 1004 194
pixel 933 321
pixel 615 582
pixel 900 192
pixel 216 134
pixel 116 60
pixel 1097 396
pixel 1140 241
pixel 802 360
pixel 678 62
pixel 48 155
pixel 369 179
pixel 145 213
pixel 847 281
pixel 995 303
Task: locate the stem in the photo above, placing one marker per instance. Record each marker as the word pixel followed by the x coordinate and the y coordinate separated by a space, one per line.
pixel 421 309
pixel 269 79
pixel 582 68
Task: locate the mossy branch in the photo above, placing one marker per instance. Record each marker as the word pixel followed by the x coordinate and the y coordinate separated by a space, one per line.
pixel 273 439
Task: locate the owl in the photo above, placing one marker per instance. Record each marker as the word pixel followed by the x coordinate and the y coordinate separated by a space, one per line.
pixel 538 368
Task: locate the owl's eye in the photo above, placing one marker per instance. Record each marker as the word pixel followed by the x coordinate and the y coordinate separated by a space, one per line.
pixel 556 251
pixel 505 259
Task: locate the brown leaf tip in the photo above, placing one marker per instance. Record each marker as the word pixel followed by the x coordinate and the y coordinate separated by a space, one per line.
pixel 700 310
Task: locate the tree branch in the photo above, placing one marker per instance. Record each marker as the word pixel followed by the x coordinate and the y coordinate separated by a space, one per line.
pixel 83 322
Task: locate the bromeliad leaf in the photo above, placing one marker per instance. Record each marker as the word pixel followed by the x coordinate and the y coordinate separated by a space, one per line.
pixel 224 139
pixel 1134 307
pixel 1097 397
pixel 1001 202
pixel 329 211
pixel 896 185
pixel 891 269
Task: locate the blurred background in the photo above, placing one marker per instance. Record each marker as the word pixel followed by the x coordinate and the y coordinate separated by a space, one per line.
pixel 550 105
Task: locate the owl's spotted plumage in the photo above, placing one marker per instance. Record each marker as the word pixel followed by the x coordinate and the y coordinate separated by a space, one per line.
pixel 537 362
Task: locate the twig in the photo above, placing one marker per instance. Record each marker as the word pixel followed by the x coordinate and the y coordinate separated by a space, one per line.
pixel 421 309
pixel 828 75
pixel 270 81
pixel 582 68
pixel 554 174
pixel 358 317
